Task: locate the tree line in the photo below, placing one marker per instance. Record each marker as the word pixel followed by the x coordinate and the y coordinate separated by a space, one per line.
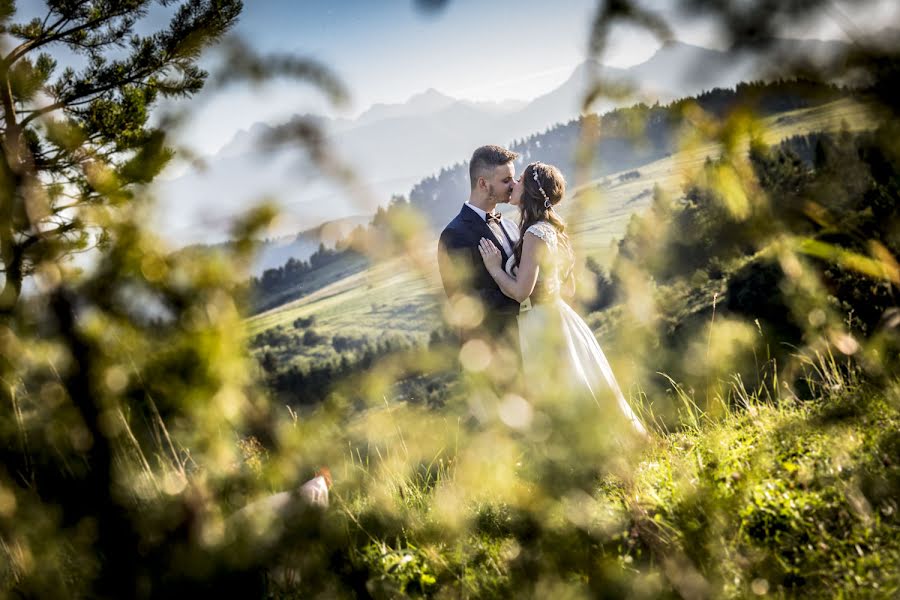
pixel 833 198
pixel 268 290
pixel 290 273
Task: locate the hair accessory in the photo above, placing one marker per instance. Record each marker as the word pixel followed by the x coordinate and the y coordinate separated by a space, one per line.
pixel 534 175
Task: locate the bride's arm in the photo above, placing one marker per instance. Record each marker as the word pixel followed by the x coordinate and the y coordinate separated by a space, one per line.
pixel 519 287
pixel 567 286
pixel 567 289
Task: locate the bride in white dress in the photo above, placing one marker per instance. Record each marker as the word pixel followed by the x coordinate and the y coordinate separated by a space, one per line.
pixel 560 354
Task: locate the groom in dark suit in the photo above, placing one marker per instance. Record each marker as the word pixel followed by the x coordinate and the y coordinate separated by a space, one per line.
pixel 493 316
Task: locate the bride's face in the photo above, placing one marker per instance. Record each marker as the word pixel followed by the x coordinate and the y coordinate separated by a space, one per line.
pixel 515 198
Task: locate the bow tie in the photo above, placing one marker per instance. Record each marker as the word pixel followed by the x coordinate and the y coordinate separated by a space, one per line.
pixel 488 217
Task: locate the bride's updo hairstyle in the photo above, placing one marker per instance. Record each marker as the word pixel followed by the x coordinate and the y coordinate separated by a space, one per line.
pixel 544 187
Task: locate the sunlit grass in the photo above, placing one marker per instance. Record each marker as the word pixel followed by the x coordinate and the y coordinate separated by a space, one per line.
pixel 775 495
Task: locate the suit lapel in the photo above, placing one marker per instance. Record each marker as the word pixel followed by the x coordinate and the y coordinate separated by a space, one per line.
pixel 480 226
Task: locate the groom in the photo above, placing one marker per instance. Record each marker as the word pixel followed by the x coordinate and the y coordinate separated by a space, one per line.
pixel 492 177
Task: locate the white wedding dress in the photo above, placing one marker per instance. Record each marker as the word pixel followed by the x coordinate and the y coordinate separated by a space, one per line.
pixel 559 350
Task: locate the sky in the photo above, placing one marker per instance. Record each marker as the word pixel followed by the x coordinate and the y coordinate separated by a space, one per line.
pixel 389 50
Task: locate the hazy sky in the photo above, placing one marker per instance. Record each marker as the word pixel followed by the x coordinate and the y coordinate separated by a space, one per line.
pixel 388 50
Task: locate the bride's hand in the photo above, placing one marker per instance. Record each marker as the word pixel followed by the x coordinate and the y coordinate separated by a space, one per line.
pixel 489 254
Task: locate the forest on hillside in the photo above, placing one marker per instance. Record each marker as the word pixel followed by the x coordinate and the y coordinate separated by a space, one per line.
pixel 631 137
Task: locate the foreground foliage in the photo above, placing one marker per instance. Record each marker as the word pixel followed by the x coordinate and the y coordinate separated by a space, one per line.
pixel 792 497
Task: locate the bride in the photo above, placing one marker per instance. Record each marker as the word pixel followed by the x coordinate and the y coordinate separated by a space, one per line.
pixel 555 341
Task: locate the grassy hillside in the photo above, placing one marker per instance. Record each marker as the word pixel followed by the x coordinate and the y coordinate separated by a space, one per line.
pixel 393 297
pixel 343 267
pixel 386 296
pixel 600 218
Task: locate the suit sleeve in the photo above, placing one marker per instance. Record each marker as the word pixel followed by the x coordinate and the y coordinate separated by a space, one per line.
pixel 450 264
pixel 461 266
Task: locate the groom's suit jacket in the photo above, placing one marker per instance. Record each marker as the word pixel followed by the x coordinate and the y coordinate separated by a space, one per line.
pixel 458 254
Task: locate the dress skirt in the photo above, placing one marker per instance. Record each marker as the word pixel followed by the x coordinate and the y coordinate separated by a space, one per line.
pixel 561 356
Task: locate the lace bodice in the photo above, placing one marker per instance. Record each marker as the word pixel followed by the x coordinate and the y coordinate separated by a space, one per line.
pixel 547 285
pixel 547 232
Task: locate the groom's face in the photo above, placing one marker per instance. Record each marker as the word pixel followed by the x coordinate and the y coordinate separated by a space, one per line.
pixel 515 198
pixel 500 183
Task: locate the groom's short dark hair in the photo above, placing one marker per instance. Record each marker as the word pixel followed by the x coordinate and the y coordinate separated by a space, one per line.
pixel 486 158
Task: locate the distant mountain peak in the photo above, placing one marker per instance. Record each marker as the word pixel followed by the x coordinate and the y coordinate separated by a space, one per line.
pixel 430 94
pixel 423 103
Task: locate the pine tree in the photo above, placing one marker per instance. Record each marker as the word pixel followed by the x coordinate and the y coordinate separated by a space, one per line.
pixel 77 137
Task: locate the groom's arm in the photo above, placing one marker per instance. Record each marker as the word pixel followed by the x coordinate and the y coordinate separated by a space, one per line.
pixel 453 263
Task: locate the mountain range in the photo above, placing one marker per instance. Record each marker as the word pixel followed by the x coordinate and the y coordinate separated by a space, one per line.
pixel 391 147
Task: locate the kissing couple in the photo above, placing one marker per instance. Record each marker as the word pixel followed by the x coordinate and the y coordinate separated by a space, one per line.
pixel 506 283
